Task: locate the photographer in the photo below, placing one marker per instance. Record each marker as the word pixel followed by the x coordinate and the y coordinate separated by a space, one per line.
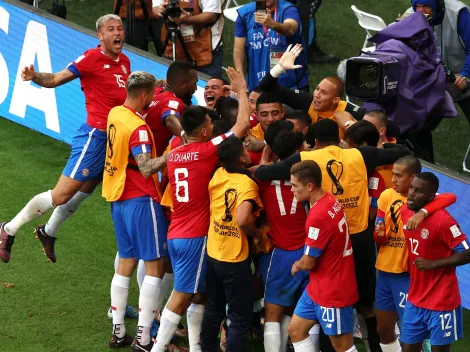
pixel 263 31
pixel 451 23
pixel 200 23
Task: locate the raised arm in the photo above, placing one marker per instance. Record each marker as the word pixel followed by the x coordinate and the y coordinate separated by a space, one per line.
pixel 239 53
pixel 148 166
pixel 296 99
pixel 238 85
pixel 47 80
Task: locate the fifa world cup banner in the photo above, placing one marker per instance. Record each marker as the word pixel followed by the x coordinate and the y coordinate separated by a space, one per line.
pixel 32 36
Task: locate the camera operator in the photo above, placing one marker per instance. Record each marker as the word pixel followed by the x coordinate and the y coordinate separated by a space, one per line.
pixel 144 23
pixel 201 25
pixel 263 31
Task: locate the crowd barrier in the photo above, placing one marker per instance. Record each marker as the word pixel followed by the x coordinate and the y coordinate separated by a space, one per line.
pixel 29 35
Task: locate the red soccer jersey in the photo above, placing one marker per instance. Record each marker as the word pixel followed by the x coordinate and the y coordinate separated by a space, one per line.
pixel 253 121
pixel 333 280
pixel 136 184
pixel 165 103
pixel 103 82
pixel 435 238
pixel 286 217
pixel 190 170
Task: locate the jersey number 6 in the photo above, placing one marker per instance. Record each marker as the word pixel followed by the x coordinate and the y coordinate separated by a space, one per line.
pixel 180 174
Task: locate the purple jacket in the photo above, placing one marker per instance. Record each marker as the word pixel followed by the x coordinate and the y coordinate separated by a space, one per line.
pixel 422 84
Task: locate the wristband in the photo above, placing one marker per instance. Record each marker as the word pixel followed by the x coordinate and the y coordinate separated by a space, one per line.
pixel 425 212
pixel 276 71
pixel 182 133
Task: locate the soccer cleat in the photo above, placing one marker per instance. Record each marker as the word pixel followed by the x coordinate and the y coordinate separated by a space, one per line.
pixel 118 342
pixel 137 347
pixel 6 242
pixel 47 242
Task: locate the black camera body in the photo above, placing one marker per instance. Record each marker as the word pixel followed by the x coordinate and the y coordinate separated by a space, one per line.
pixel 173 9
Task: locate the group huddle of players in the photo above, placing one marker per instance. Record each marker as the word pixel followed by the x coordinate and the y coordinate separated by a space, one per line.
pixel 249 190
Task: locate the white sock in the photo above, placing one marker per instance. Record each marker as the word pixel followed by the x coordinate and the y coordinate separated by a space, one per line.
pixel 194 316
pixel 168 325
pixel 35 208
pixel 141 274
pixel 391 347
pixel 352 349
pixel 303 346
pixel 272 336
pixel 147 307
pixel 315 337
pixel 119 292
pixel 284 331
pixel 63 212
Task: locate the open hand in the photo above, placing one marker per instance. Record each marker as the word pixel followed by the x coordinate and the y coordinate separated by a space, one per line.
pixel 237 81
pixel 288 58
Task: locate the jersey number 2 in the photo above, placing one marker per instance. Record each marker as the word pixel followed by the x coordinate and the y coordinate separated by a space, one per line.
pixel 280 201
pixel 120 81
pixel 180 174
pixel 343 224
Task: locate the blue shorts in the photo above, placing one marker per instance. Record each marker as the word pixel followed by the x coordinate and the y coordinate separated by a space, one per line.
pixel 280 287
pixel 141 228
pixel 391 292
pixel 86 161
pixel 441 327
pixel 334 321
pixel 188 259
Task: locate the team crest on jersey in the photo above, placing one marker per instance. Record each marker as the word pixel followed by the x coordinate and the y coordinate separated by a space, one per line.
pixel 85 172
pixel 313 233
pixel 124 69
pixel 424 234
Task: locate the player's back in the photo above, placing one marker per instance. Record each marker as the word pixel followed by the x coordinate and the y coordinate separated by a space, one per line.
pixel 333 280
pixel 190 170
pixel 286 217
pixel 438 236
pixel 103 81
pixel 164 104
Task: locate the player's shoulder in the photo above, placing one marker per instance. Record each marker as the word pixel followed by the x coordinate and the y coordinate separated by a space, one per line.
pixel 326 209
pixel 442 217
pixel 124 58
pixel 92 53
pixel 389 194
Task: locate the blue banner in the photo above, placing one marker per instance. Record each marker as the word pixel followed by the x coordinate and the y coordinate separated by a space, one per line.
pixel 28 38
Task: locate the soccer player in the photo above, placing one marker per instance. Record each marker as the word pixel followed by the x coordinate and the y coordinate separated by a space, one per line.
pixel 214 89
pixel 286 218
pixel 190 169
pixel 393 279
pixel 435 248
pixel 163 116
pixel 332 291
pixel 234 208
pixel 345 174
pixel 252 99
pixel 103 72
pixel 269 109
pixel 138 218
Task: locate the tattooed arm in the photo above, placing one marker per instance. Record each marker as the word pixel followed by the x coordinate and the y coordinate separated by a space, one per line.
pixel 148 166
pixel 47 80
